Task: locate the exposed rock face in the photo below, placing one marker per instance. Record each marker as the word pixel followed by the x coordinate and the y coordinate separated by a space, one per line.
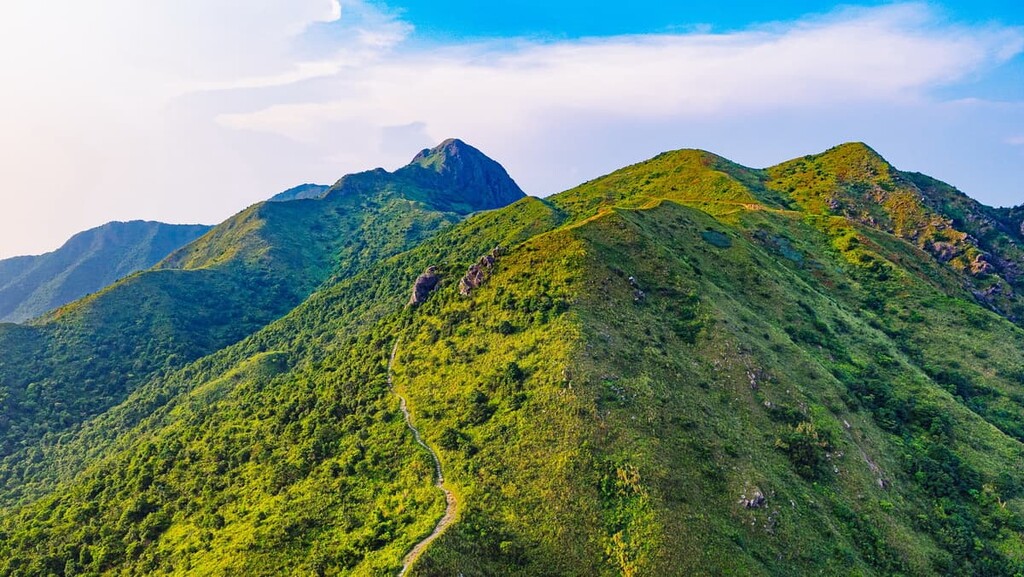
pixel 478 273
pixel 424 285
pixel 470 177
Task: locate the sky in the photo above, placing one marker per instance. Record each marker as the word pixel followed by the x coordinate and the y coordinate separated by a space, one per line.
pixel 190 110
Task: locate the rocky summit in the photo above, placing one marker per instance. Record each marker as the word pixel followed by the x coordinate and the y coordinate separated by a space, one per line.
pixel 470 177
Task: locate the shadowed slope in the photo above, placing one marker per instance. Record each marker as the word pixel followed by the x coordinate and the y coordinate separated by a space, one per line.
pixel 89 261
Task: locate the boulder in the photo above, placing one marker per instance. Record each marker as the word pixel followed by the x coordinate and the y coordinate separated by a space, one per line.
pixel 424 285
pixel 980 265
pixel 756 501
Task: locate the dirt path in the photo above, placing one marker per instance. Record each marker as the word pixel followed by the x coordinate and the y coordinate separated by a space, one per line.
pixel 449 497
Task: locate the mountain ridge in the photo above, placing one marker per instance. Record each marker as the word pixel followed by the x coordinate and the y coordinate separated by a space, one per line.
pixel 235 279
pixel 301 192
pixel 469 179
pixel 85 263
pixel 685 366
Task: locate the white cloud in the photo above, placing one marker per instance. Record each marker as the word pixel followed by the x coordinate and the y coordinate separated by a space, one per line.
pixel 891 54
pixel 187 110
pixel 1015 140
pixel 94 123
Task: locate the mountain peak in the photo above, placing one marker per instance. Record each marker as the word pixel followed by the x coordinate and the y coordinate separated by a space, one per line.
pixel 467 176
pixel 451 148
pixel 852 160
pixel 303 191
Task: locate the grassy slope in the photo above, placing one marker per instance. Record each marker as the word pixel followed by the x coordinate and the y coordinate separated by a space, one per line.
pixel 243 274
pixel 277 454
pixel 983 243
pixel 838 370
pixel 807 357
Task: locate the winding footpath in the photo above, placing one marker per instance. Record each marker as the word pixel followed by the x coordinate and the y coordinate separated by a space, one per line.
pixel 449 497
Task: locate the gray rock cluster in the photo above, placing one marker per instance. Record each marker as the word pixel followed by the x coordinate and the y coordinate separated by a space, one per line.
pixel 424 285
pixel 478 272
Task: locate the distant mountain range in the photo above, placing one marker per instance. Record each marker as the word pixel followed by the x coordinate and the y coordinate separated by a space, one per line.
pixel 685 367
pixel 89 261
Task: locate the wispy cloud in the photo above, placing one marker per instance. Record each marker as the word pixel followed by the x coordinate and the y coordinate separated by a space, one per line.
pixel 889 54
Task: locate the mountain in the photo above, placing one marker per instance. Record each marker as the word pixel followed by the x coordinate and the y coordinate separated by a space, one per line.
pixel 470 180
pixel 89 261
pixel 301 192
pixel 467 170
pixel 684 367
pixel 86 357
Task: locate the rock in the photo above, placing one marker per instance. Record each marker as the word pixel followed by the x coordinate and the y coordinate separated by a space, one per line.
pixel 1008 269
pixel 478 273
pixel 474 277
pixel 755 502
pixel 943 251
pixel 424 285
pixel 981 266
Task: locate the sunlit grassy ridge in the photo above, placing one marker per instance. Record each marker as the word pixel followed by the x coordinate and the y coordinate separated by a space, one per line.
pixel 685 367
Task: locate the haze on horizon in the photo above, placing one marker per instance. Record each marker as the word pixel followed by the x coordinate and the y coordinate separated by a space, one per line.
pixel 189 111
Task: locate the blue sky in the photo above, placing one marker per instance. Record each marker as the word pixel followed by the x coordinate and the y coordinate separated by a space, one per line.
pixel 461 19
pixel 189 110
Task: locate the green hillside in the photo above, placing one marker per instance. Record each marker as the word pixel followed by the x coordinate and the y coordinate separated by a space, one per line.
pixel 86 357
pixel 686 367
pixel 89 261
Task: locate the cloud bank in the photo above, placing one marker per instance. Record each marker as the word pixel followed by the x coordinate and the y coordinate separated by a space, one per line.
pixel 892 54
pixel 188 110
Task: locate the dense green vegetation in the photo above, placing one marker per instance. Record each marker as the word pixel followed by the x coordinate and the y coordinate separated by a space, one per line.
pixel 89 261
pixel 87 357
pixel 685 367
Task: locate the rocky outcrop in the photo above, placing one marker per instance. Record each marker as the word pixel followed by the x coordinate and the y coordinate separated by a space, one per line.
pixel 470 181
pixel 478 273
pixel 755 501
pixel 943 251
pixel 980 265
pixel 424 285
